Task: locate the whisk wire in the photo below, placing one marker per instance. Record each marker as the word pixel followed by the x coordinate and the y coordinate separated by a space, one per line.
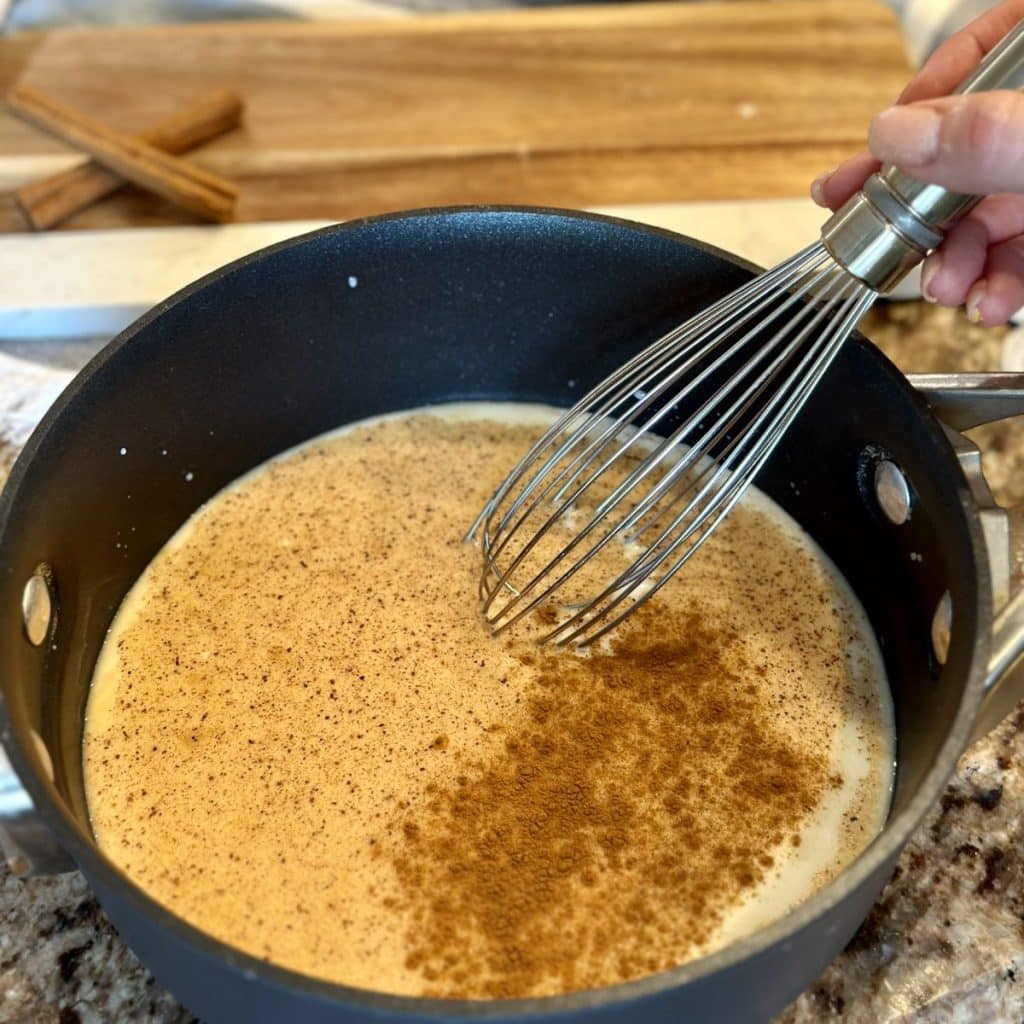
pixel 643 470
pixel 722 511
pixel 656 352
pixel 741 370
pixel 745 400
pixel 720 504
pixel 631 378
pixel 595 449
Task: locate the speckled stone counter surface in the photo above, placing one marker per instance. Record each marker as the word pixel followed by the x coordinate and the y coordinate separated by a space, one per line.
pixel 944 943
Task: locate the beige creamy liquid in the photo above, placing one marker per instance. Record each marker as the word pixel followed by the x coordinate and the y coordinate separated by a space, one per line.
pixel 302 739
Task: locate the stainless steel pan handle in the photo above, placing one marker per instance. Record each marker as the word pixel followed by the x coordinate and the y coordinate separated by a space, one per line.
pixel 962 401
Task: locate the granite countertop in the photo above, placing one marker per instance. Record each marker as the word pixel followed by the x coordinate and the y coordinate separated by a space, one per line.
pixel 944 943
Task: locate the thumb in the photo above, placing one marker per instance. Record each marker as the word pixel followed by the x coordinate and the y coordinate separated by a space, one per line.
pixel 967 143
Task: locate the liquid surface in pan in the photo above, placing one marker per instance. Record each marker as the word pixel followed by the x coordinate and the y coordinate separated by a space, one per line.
pixel 302 739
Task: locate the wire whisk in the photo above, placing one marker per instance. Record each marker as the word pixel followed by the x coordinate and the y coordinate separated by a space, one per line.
pixel 628 484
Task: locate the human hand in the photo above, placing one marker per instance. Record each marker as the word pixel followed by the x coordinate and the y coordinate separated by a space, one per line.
pixel 967 143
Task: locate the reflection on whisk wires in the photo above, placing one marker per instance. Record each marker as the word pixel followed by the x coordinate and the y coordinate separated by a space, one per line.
pixel 664 448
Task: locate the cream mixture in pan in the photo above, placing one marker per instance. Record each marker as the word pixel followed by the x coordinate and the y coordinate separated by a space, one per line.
pixel 302 739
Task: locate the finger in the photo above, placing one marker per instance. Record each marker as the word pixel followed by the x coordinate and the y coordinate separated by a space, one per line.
pixel 959 55
pixel 835 187
pixel 1000 293
pixel 952 270
pixel 966 143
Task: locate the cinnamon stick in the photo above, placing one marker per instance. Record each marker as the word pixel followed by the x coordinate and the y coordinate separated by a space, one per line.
pixel 46 203
pixel 176 180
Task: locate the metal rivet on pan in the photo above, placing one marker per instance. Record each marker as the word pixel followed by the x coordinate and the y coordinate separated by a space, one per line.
pixel 892 492
pixel 942 625
pixel 36 608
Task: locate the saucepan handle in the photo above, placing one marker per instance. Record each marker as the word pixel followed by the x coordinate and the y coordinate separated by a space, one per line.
pixel 962 401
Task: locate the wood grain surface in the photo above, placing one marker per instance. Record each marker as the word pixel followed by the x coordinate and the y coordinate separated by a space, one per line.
pixel 564 106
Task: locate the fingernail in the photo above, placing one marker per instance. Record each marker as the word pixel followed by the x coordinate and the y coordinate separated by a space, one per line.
pixel 929 269
pixel 975 297
pixel 905 135
pixel 818 187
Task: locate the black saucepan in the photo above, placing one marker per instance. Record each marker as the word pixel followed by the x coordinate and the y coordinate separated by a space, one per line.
pixel 402 311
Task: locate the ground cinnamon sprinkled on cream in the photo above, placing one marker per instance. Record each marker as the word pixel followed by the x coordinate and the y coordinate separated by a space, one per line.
pixel 637 800
pixel 302 739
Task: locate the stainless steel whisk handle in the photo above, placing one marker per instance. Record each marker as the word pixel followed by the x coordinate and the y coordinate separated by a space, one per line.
pixel 894 221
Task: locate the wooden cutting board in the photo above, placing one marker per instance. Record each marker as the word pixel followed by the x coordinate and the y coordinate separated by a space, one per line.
pixel 564 106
